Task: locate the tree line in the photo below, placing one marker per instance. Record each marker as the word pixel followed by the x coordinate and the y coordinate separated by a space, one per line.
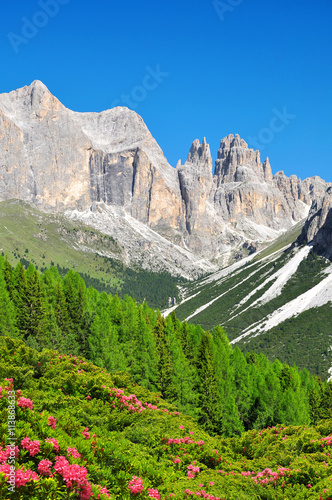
pixel 198 371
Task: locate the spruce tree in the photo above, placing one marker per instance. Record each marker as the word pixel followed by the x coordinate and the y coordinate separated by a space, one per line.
pixel 7 308
pixel 104 347
pixel 209 404
pixel 165 367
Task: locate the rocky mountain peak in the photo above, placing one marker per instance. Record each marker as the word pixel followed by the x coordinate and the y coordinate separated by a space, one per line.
pixel 200 155
pixel 63 160
pixel 267 170
pixel 30 102
pixel 237 163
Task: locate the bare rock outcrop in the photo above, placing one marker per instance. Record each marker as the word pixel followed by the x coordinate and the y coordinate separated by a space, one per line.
pixel 317 230
pixel 66 161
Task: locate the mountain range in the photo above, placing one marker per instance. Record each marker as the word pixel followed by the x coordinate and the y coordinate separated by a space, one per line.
pixel 107 169
pixel 264 240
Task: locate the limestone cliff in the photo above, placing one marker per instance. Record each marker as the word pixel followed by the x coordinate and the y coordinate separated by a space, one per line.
pixel 66 161
pixel 317 230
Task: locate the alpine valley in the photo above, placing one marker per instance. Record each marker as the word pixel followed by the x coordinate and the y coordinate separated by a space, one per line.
pixel 165 332
pixel 228 244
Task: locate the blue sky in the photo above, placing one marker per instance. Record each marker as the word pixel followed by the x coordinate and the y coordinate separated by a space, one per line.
pixel 191 69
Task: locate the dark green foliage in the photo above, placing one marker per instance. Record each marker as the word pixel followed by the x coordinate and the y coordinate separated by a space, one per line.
pixel 209 404
pixel 142 285
pixel 304 340
pixel 122 443
pixel 196 370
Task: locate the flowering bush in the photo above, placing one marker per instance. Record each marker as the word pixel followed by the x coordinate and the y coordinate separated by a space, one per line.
pixel 25 403
pixel 32 446
pixel 52 422
pixel 136 485
pixel 122 435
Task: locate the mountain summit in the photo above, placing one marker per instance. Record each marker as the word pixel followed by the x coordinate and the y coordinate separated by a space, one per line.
pixel 108 169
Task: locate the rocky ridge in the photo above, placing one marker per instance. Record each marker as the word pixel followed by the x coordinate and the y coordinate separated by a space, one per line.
pixel 317 230
pixel 106 167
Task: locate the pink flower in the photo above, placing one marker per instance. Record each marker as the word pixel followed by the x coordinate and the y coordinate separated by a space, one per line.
pixel 85 433
pixel 9 451
pixel 88 397
pixel 22 477
pixel 72 452
pixel 54 442
pixel 32 446
pixel 44 467
pixel 181 427
pixel 25 403
pixel 153 493
pixel 73 473
pixel 136 485
pixel 103 491
pixel 52 422
pixel 211 483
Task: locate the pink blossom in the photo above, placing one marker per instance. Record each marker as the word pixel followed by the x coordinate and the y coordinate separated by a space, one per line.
pixel 103 491
pixel 54 442
pixel 153 493
pixel 22 477
pixel 25 403
pixel 85 433
pixel 72 452
pixel 136 485
pixel 52 422
pixel 44 467
pixel 32 446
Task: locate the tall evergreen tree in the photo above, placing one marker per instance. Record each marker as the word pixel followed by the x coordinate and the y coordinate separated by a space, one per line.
pixel 104 347
pixel 165 381
pixel 7 308
pixel 209 404
pixel 184 376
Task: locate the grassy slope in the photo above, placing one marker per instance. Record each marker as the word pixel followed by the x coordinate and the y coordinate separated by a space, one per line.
pixel 305 340
pixel 219 312
pixel 45 239
pixel 131 444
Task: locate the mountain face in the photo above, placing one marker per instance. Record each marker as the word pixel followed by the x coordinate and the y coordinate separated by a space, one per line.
pixel 106 169
pixel 276 301
pixel 317 230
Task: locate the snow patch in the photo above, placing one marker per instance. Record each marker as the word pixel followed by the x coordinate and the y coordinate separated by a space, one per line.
pixel 281 277
pixel 330 373
pixel 317 296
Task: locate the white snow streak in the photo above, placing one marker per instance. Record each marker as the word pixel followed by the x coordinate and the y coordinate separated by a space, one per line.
pixel 281 277
pixel 315 297
pixel 330 377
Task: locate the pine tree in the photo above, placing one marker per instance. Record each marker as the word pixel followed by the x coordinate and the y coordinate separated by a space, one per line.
pixel 38 326
pixel 144 363
pixel 8 277
pixel 209 404
pixel 242 386
pixel 80 319
pixel 7 309
pixel 104 347
pixel 184 376
pixel 165 368
pixel 224 360
pixel 21 300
